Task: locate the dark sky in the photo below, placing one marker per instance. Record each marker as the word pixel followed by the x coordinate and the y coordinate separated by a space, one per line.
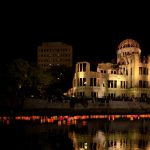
pixel 93 29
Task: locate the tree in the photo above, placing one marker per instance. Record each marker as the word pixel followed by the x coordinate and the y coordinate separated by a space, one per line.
pixel 18 73
pixel 24 79
pixel 39 79
pixel 62 80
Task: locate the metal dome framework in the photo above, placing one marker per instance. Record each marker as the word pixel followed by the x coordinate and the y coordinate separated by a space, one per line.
pixel 128 43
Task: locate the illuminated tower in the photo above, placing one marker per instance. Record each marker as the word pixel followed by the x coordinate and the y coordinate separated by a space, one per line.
pixel 128 56
pixel 134 67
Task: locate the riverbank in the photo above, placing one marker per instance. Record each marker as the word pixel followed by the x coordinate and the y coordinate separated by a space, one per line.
pixel 91 111
pixel 43 107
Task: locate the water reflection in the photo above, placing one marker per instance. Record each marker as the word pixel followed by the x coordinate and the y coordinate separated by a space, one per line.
pixel 87 132
pixel 99 140
pixel 116 135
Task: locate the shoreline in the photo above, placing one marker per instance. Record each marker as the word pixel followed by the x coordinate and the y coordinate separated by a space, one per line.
pixel 54 111
pixel 43 107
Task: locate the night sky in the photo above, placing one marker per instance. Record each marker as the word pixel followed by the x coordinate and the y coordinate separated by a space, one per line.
pixel 94 30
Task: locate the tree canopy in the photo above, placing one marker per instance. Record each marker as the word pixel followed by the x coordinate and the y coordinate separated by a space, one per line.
pixel 21 77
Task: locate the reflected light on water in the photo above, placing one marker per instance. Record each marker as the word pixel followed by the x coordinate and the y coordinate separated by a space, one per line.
pixel 70 119
pixel 87 132
pixel 99 140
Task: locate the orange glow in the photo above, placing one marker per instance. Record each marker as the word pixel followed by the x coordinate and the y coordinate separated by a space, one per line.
pixel 70 119
pixel 59 123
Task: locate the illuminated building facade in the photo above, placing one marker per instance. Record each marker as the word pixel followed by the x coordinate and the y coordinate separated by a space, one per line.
pixel 128 78
pixel 54 54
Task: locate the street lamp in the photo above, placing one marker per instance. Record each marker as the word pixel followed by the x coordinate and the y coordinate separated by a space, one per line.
pixel 85 88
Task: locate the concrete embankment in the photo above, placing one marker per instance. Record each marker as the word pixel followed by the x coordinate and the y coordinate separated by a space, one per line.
pixel 43 107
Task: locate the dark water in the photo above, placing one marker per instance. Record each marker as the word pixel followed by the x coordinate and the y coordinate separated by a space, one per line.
pixel 89 132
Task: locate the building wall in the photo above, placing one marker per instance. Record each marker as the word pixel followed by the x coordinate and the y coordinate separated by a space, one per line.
pixel 129 77
pixel 54 54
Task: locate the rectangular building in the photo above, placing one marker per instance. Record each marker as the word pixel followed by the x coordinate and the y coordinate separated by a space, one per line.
pixel 54 54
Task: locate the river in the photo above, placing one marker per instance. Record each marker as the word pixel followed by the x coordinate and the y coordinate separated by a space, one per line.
pixel 83 132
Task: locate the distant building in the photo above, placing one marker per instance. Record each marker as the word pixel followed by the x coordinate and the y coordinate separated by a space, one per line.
pixel 54 54
pixel 129 77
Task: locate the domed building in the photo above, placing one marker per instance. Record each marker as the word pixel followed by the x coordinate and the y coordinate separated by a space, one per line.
pixel 128 78
pixel 128 43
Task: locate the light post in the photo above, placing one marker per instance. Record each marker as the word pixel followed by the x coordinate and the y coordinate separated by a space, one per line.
pixel 85 88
